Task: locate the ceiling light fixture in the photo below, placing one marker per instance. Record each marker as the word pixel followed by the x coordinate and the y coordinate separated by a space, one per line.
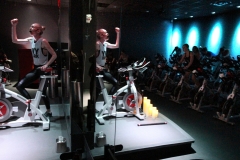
pixel 213 12
pixel 238 6
pixel 174 18
pixel 191 16
pixel 221 3
pixel 29 0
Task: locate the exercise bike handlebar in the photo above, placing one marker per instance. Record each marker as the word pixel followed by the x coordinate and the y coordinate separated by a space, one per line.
pixel 142 65
pixel 139 63
pixel 5 69
pixel 135 66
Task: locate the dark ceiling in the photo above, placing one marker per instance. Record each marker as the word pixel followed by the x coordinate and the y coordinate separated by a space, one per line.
pixel 167 9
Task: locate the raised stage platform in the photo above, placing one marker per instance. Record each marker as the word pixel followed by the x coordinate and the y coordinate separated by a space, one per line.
pixel 141 142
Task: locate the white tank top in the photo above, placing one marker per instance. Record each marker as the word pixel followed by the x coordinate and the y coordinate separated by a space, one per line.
pixel 102 53
pixel 37 52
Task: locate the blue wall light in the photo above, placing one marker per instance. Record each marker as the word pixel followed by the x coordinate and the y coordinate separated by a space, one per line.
pixel 176 38
pixel 235 47
pixel 169 42
pixel 193 37
pixel 215 38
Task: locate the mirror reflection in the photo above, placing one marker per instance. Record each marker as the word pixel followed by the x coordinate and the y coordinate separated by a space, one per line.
pixel 34 44
pixel 120 70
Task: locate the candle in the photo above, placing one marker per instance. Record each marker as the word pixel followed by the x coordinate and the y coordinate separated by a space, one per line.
pixel 154 109
pixel 144 104
pixel 156 116
pixel 149 110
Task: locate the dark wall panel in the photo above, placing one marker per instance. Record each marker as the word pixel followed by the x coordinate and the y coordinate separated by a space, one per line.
pixel 228 22
pixel 140 36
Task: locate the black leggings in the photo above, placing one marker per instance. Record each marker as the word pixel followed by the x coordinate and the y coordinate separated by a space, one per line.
pixel 30 78
pixel 109 78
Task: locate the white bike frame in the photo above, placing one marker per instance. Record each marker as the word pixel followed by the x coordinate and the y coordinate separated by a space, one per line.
pixel 129 103
pixel 30 116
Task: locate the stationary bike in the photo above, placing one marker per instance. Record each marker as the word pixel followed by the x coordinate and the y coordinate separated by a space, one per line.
pixel 196 102
pixel 231 103
pixel 25 110
pixel 182 88
pixel 131 101
pixel 228 106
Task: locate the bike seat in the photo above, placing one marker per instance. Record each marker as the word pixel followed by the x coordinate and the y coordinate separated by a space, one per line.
pixel 48 69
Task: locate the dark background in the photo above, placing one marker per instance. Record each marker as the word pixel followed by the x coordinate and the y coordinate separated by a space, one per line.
pixel 141 35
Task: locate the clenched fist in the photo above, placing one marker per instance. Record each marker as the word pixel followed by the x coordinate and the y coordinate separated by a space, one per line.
pixel 14 21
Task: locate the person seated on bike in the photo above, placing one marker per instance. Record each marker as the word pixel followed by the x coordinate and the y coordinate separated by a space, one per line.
pixel 101 53
pixel 198 56
pixel 40 50
pixel 223 58
pixel 158 70
pixel 206 52
pixel 111 62
pixel 190 64
pixel 196 52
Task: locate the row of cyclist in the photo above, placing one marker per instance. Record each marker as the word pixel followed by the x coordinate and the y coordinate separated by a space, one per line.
pixel 204 81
